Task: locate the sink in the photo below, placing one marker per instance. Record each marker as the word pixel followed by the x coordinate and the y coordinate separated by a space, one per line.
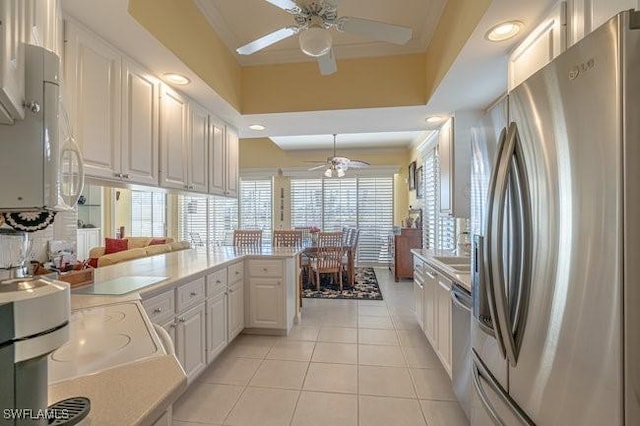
pixel 453 260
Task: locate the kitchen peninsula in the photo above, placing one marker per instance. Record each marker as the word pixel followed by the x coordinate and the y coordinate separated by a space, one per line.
pixel 198 301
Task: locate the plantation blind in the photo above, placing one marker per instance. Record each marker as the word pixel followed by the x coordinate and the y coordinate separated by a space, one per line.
pixel 340 204
pixel 430 209
pixel 375 217
pixel 192 219
pixel 148 214
pixel 306 202
pixel 223 219
pixel 256 206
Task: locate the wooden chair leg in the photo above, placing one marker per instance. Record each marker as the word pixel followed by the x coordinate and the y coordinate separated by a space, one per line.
pixel 317 280
pixel 340 278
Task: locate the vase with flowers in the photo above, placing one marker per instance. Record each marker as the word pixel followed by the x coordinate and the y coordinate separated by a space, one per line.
pixel 313 231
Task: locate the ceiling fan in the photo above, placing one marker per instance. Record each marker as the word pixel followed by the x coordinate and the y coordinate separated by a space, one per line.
pixel 314 19
pixel 337 166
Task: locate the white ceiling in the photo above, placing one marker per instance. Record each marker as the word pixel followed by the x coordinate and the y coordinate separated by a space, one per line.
pixel 476 79
pixel 240 22
pixel 350 140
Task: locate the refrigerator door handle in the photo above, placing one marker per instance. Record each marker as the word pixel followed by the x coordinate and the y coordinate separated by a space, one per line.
pixel 482 373
pixel 523 280
pixel 486 254
pixel 493 250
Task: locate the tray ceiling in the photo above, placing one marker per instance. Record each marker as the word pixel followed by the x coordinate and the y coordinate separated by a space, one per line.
pixel 239 22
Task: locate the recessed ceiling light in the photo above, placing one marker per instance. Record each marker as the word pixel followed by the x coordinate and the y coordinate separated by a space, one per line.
pixel 176 78
pixel 257 127
pixel 504 31
pixel 434 119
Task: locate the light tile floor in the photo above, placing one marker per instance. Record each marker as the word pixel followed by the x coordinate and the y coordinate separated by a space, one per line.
pixel 347 363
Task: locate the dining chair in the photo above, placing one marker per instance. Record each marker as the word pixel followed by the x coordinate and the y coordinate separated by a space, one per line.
pixel 247 238
pixel 287 238
pixel 327 258
pixel 349 258
pixel 196 240
pixel 306 232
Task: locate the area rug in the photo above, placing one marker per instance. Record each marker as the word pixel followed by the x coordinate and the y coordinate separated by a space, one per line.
pixel 365 288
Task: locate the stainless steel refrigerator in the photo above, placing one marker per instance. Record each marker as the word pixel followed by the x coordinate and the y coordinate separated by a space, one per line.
pixel 556 224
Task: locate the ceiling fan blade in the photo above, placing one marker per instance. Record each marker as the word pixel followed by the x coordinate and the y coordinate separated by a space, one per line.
pixel 267 40
pixel 380 31
pixel 321 166
pixel 288 5
pixel 357 164
pixel 327 63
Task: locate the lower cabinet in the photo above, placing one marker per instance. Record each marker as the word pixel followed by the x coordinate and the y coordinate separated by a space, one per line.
pixel 443 292
pixel 236 309
pixel 216 325
pixel 266 300
pixel 429 304
pixel 190 341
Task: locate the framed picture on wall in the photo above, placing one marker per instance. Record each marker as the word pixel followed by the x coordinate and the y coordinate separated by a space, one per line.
pixel 419 184
pixel 412 176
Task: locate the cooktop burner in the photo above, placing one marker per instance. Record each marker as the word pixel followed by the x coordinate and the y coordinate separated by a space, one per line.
pixel 103 337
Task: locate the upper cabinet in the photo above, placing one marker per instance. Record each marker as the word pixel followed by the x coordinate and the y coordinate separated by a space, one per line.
pixel 454 160
pixel 132 128
pixel 92 78
pixel 174 140
pixel 140 117
pixel 545 42
pixel 585 16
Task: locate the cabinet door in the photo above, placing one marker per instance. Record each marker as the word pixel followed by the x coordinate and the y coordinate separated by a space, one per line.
pixel 170 327
pixel 217 164
pixel 92 238
pixel 14 15
pixel 82 249
pixel 231 155
pixel 46 21
pixel 444 321
pixel 216 325
pixel 265 300
pixel 140 113
pixel 191 341
pixel 92 72
pixel 198 148
pixel 236 311
pixel 544 43
pixel 445 161
pixel 173 139
pixel 603 10
pixel 429 306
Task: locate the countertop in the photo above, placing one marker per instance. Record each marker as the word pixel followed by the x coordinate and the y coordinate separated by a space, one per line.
pixel 427 255
pixel 138 392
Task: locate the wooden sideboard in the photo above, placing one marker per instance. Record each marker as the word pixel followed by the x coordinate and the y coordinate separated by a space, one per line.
pixel 409 238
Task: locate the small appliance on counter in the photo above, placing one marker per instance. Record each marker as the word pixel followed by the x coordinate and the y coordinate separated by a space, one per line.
pixel 14 251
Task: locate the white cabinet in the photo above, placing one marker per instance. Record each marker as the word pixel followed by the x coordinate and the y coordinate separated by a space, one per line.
pixel 584 16
pixel 140 113
pixel 429 305
pixel 232 155
pixel 87 238
pixel 92 78
pixel 545 42
pixel 236 309
pixel 216 325
pixel 170 328
pixel 198 163
pixel 190 341
pixel 223 159
pixel 266 299
pixel 174 143
pixel 15 25
pixel 418 290
pixel 454 160
pixel 47 25
pixel 443 295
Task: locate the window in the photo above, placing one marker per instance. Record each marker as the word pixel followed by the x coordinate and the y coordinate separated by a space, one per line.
pixel 439 232
pixel 148 214
pixel 307 193
pixel 255 206
pixel 365 202
pixel 207 220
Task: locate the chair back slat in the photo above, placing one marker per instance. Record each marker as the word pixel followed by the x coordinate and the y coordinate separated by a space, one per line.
pixel 247 238
pixel 288 238
pixel 330 239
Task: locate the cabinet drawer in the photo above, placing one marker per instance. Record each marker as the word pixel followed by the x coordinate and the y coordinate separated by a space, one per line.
pixel 236 272
pixel 217 282
pixel 191 293
pixel 160 307
pixel 265 268
pixel 418 264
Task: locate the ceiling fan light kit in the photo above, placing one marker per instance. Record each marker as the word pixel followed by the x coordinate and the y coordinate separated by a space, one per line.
pixel 337 166
pixel 314 20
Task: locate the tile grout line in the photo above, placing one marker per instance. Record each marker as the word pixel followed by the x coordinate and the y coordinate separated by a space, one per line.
pixel 304 379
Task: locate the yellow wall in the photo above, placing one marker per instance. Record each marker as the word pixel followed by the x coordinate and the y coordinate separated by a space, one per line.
pixel 458 20
pixel 359 83
pixel 179 25
pixel 122 209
